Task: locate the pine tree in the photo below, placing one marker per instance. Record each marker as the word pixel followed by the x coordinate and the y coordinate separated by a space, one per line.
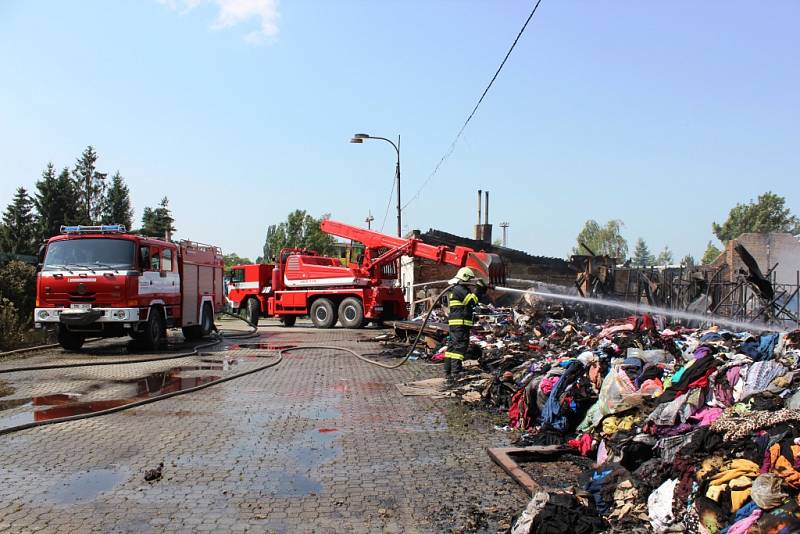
pixel 48 220
pixel 91 185
pixel 641 254
pixel 56 202
pixel 688 261
pixel 19 229
pixel 664 257
pixel 117 203
pixel 157 222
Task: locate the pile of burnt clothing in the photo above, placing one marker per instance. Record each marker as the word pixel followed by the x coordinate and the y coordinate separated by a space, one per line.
pixel 700 429
pixel 558 513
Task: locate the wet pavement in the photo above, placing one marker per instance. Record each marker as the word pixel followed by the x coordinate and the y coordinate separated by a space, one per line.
pixel 321 443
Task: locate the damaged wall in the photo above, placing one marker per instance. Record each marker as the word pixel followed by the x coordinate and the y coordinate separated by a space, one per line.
pixel 767 249
pixel 518 264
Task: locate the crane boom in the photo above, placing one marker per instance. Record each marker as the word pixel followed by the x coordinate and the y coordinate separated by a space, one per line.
pixel 488 264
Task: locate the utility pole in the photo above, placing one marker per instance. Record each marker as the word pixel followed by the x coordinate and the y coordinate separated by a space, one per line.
pixel 504 226
pixel 369 220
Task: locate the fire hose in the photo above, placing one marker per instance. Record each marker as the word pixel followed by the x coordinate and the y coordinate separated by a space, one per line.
pixel 195 352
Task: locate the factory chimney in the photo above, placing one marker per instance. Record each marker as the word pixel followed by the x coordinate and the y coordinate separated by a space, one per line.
pixel 483 232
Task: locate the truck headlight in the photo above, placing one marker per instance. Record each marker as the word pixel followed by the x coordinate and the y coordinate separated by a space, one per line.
pixel 120 314
pixel 43 314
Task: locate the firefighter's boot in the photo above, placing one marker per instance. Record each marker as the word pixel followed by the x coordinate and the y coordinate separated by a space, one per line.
pixel 457 370
pixel 448 372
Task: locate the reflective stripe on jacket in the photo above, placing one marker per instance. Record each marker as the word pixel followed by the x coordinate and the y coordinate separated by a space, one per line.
pixel 462 306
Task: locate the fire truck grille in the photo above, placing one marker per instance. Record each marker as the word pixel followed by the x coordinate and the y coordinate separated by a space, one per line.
pixel 82 297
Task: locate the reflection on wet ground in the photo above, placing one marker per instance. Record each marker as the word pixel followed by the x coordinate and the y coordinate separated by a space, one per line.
pixel 261 346
pixel 304 454
pixel 58 405
pixel 84 486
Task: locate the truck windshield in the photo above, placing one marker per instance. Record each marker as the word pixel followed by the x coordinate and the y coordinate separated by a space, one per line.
pixel 89 254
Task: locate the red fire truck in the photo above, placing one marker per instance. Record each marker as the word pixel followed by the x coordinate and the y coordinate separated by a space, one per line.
pixel 305 283
pixel 99 281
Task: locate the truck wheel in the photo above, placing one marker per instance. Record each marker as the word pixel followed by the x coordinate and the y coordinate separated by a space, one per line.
pixel 203 329
pixel 351 313
pixel 323 314
pixel 72 341
pixel 288 320
pixel 207 323
pixel 253 311
pixel 154 330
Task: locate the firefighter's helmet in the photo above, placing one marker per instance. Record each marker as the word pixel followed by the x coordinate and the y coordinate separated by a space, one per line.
pixel 464 274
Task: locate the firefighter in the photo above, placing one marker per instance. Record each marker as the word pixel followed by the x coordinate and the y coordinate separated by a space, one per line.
pixel 460 321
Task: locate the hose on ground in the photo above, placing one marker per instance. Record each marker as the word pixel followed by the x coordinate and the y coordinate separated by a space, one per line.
pixel 150 400
pixel 410 350
pixel 195 352
pixel 138 403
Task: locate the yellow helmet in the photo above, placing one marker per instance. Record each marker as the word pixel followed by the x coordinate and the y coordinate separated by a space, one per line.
pixel 464 274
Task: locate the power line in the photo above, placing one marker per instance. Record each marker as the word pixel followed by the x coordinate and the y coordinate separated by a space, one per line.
pixel 452 146
pixel 389 204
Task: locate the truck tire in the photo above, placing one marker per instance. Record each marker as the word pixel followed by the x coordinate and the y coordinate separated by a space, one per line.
pixel 203 329
pixel 207 323
pixel 288 320
pixel 71 341
pixel 253 311
pixel 351 313
pixel 154 331
pixel 323 314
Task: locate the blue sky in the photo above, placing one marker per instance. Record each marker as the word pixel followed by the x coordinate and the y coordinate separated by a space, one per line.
pixel 662 114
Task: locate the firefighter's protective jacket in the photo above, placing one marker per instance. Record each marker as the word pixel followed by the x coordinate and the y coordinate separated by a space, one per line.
pixel 462 306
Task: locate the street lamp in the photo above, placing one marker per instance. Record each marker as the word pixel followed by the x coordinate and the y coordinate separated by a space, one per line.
pixel 358 139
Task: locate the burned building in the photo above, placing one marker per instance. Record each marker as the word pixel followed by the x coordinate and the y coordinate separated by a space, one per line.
pixel 416 274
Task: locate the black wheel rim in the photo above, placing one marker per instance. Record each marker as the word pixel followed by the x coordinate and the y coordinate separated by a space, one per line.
pixel 350 313
pixel 322 314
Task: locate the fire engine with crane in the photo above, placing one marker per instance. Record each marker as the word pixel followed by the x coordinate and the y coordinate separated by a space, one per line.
pixel 302 282
pixel 101 281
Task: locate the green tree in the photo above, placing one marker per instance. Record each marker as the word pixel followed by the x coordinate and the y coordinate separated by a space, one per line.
pixel 602 240
pixel 117 203
pixel 229 260
pixel 17 300
pixel 18 284
pixel 300 230
pixel 688 261
pixel 19 229
pixel 664 257
pixel 56 202
pixel 711 253
pixel 641 254
pixel 91 186
pixel 768 214
pixel 157 222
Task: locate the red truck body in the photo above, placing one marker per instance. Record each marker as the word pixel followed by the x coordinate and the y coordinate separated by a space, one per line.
pixel 304 283
pixel 100 281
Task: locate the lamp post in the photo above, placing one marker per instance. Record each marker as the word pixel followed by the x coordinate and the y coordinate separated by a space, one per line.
pixel 358 139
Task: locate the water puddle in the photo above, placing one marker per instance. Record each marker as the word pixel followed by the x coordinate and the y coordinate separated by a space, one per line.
pixel 322 412
pixel 84 486
pixel 293 485
pixel 46 407
pixel 313 449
